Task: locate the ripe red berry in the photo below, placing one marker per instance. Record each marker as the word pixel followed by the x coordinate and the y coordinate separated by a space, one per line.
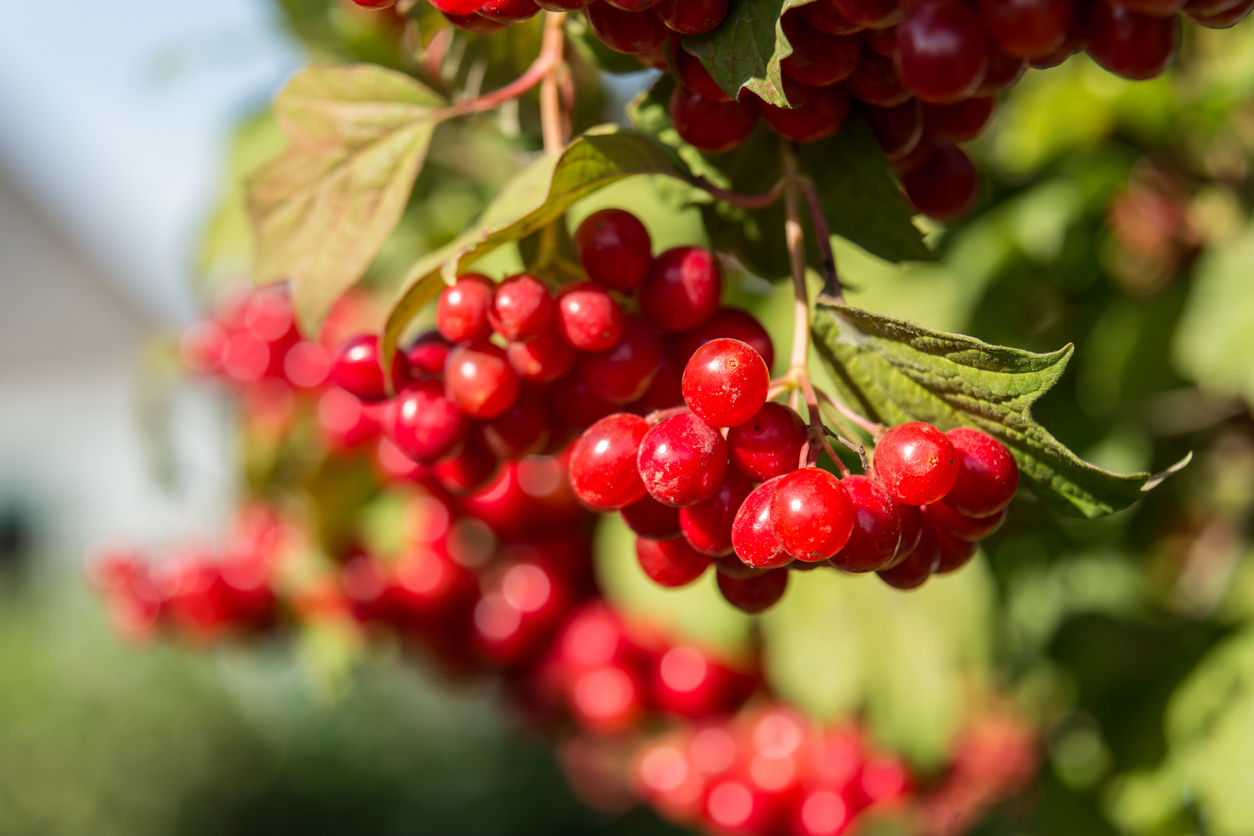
pixel 1027 28
pixel 987 474
pixel 615 249
pixel 826 17
pixel 1131 45
pixel 873 14
pixel 942 517
pixel 682 460
pixel 427 355
pixel 754 594
pixel 357 369
pixel 574 405
pixel 944 186
pixel 458 7
pixel 563 5
pixel 875 81
pixel 651 519
pixel 670 563
pixel 883 41
pixel 521 308
pixel 819 112
pixel 603 471
pixel 475 22
pixel 714 126
pixel 462 313
pixel 626 32
pixel 1219 19
pixel 509 11
pixel 942 51
pixel 818 59
pixel 375 4
pixel 898 129
pixel 1153 8
pixel 683 289
pixel 916 463
pixel 588 318
pixel 1004 71
pixel 632 5
pixel 911 532
pixel 954 552
pixel 468 469
pixel 726 322
pixel 693 75
pixel 542 359
pixel 707 526
pixel 913 571
pixel 959 122
pixel 623 374
pixel 876 534
pixel 522 429
pixel 691 17
pixel 725 383
pixel 811 514
pixel 424 423
pixel 663 393
pixel 768 444
pixel 480 380
pixel 753 535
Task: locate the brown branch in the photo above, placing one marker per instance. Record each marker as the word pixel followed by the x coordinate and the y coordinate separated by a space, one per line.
pixel 823 240
pixel 550 57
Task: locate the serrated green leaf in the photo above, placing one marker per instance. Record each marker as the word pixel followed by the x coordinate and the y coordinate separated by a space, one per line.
pixel 357 136
pixel 892 371
pixel 536 196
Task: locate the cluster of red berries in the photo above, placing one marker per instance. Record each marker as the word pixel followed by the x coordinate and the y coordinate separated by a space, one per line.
pixel 628 26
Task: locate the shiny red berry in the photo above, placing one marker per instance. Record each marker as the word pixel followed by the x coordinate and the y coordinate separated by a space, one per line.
pixel 917 567
pixel 651 519
pixel 942 51
pixel 960 122
pixel 682 460
pixel 753 535
pixel 357 369
pixel 942 517
pixel 467 469
pixel 615 249
pixel 897 129
pixel 754 594
pixel 825 16
pixel 693 75
pixel 727 322
pixel 707 526
pixel 603 470
pixel 428 354
pixel 1004 71
pixel 818 59
pixel 954 552
pixel 1027 28
pixel 875 81
pixel 944 185
pixel 916 463
pixel 691 17
pixel 521 308
pixel 480 380
pixel 542 359
pixel 670 563
pixel 458 7
pixel 812 514
pixel 521 430
pixel 424 423
pixel 588 317
pixel 574 405
pixel 876 533
pixel 873 14
pixel 623 374
pixel 626 32
pixel 988 475
pixel 462 312
pixel 818 112
pixel 715 126
pixel 683 289
pixel 509 11
pixel 726 382
pixel 769 444
pixel 1132 45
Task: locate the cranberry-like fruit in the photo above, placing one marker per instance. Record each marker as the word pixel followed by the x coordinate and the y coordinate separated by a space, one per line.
pixel 875 81
pixel 1224 19
pixel 918 565
pixel 811 514
pixel 754 594
pixel 574 405
pixel 958 122
pixel 1131 45
pixel 358 370
pixel 603 470
pixel 713 125
pixel 725 383
pixel 883 41
pixel 768 444
pixel 615 249
pixel 480 380
pixel 475 22
pixel 652 520
pixel 897 129
pixel 462 312
pixel 954 551
pixel 1027 28
pixel 944 186
pixel 521 308
pixel 522 429
pixel 825 16
pixel 424 423
pixel 818 59
pixel 458 7
pixel 943 517
pixel 671 563
pixel 987 474
pixel 691 17
pixel 468 469
pixel 916 463
pixel 753 534
pixel 693 75
pixel 707 526
pixel 375 4
pixel 623 374
pixel 873 14
pixel 819 112
pixel 683 289
pixel 626 32
pixel 682 460
pixel 1004 71
pixel 542 359
pixel 876 533
pixel 426 357
pixel 509 11
pixel 942 51
pixel 588 318
pixel 727 322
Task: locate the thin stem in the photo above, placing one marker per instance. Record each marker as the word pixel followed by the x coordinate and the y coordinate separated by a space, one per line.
pixel 823 240
pixel 552 122
pixel 873 429
pixel 550 57
pixel 659 415
pixel 795 239
pixel 855 447
pixel 742 201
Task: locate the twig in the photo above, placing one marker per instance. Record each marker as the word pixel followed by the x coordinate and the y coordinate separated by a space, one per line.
pixel 552 121
pixel 873 429
pixel 823 236
pixel 549 58
pixel 742 201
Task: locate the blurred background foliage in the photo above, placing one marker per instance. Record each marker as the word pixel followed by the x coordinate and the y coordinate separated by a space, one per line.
pixel 1116 216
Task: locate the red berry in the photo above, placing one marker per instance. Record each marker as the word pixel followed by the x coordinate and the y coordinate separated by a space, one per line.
pixel 603 470
pixel 563 5
pixel 876 82
pixel 1131 45
pixel 588 318
pixel 898 129
pixel 428 354
pixel 1027 28
pixel 357 369
pixel 943 517
pixel 942 51
pixel 693 75
pixel 707 526
pixel 458 7
pixel 1153 8
pixel 818 59
pixel 916 463
pixel 959 122
pixel 542 359
pixel 480 380
pixel 375 4
pixel 987 474
pixel 768 444
pixel 917 567
pixel 727 322
pixel 574 405
pixel 691 17
pixel 521 308
pixel 826 17
pixel 615 249
pixel 522 429
pixel 475 22
pixel 633 5
pixel 682 460
pixel 876 534
pixel 944 186
pixel 911 532
pixel 1003 72
pixel 819 112
pixel 468 469
pixel 670 563
pixel 623 374
pixel 883 41
pixel 424 423
pixel 712 125
pixel 683 289
pixel 509 11
pixel 626 32
pixel 954 552
pixel 753 535
pixel 811 514
pixel 1224 19
pixel 873 14
pixel 754 594
pixel 651 519
pixel 725 383
pixel 732 565
pixel 462 313
pixel 663 393
pixel 689 683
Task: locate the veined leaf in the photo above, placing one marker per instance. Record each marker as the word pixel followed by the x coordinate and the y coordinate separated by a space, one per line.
pixel 357 136
pixel 540 193
pixel 892 371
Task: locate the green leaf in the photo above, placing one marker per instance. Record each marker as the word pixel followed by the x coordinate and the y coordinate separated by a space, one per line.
pixel 357 136
pixel 892 371
pixel 537 195
pixel 745 50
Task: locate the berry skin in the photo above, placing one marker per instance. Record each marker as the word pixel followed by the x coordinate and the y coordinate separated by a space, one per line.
pixel 615 249
pixel 819 112
pixel 883 41
pixel 754 594
pixel 987 474
pixel 632 5
pixel 872 14
pixel 916 463
pixel 753 535
pixel 959 122
pixel 826 17
pixel 954 552
pixel 468 469
pixel 768 444
pixel 727 322
pixel 944 185
pixel 725 383
pixel 521 308
pixel 663 393
pixel 876 533
pixel 603 471
pixel 818 59
pixel 707 526
pixel 475 22
pixel 424 423
pixel 1218 15
pixel 693 75
pixel 623 374
pixel 588 318
pixel 942 51
pixel 462 313
pixel 574 405
pixel 1131 45
pixel 626 32
pixel 914 570
pixel 427 355
pixel 357 369
pixel 670 563
pixel 897 129
pixel 1004 71
pixel 691 17
pixel 911 532
pixel 812 514
pixel 942 517
pixel 522 429
pixel 876 82
pixel 683 289
pixel 480 380
pixel 509 11
pixel 712 125
pixel 542 359
pixel 650 519
pixel 1027 28
pixel 682 461
pixel 458 7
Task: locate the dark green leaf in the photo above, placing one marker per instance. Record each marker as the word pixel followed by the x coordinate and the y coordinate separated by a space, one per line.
pixel 744 51
pixel 892 371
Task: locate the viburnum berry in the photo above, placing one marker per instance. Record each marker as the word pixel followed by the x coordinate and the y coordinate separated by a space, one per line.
pixel 615 249
pixel 574 405
pixel 632 5
pixel 768 444
pixel 988 475
pixel 689 683
pixel 754 594
pixel 563 5
pixel 475 22
pixel 917 566
pixel 691 17
pixel 1003 72
pixel 521 308
pixel 944 185
pixel 713 125
pixel 883 41
pixel 1131 45
pixel 509 11
pixel 875 81
pixel 693 75
pixel 671 563
pixel 520 430
pixel 819 112
pixel 683 289
pixel 663 393
pixel 424 423
pixel 726 322
pixel 707 526
pixel 542 359
pixel 1224 19
pixel 462 312
pixel 375 4
pixel 916 463
pixel 753 534
pixel 726 382
pixel 623 373
pixel 603 471
pixel 648 518
pixel 458 7
pixel 876 533
pixel 897 129
pixel 588 317
pixel 818 59
pixel 467 469
pixel 811 514
pixel 480 380
pixel 1027 28
pixel 942 51
pixel 954 552
pixel 626 32
pixel 942 517
pixel 682 460
pixel 872 14
pixel 428 354
pixel 358 369
pixel 826 16
pixel 958 122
